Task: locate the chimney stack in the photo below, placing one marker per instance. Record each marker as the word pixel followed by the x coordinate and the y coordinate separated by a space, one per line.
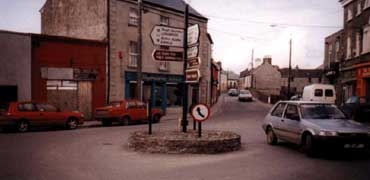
pixel 267 59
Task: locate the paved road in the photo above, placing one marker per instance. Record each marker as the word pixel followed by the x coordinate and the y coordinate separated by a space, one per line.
pixel 101 153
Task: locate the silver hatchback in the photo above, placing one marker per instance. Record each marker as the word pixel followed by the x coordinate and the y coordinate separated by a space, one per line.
pixel 314 125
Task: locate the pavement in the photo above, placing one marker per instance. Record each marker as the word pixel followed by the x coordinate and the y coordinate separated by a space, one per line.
pixel 102 153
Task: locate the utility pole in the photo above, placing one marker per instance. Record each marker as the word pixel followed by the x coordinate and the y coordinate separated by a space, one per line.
pixel 184 122
pixel 251 80
pixel 139 94
pixel 290 66
pixel 252 58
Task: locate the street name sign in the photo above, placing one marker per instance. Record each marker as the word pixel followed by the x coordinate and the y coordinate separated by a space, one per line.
pixel 193 34
pixel 167 36
pixel 164 55
pixel 200 112
pixel 194 63
pixel 193 52
pixel 192 76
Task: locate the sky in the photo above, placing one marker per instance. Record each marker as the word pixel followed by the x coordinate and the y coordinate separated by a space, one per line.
pixel 236 27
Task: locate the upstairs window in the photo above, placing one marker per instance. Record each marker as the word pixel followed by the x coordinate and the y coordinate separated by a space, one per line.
pixel 349 50
pixel 133 54
pixel 349 14
pixel 133 17
pixel 359 8
pixel 358 44
pixel 366 40
pixel 164 20
pixel 367 4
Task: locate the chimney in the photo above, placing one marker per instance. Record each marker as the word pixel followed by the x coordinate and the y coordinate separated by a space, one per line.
pixel 267 59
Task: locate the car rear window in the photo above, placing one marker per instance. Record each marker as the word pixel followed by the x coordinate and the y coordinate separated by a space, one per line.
pixel 26 107
pixel 278 111
pixel 318 92
pixel 329 93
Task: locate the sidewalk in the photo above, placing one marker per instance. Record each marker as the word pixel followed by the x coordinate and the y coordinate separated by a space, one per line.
pixel 173 114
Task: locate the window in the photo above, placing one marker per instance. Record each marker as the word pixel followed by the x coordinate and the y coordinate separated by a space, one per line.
pixel 26 107
pixel 164 20
pixel 46 108
pixel 163 66
pixel 291 112
pixel 133 17
pixel 329 93
pixel 131 105
pixel 358 43
pixel 141 105
pixel 349 14
pixel 349 50
pixel 318 92
pixel 133 54
pixel 359 9
pixel 366 40
pixel 367 4
pixel 61 85
pixel 278 111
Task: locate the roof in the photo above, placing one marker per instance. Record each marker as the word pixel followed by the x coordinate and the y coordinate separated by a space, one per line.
pixel 245 73
pixel 177 5
pixel 303 73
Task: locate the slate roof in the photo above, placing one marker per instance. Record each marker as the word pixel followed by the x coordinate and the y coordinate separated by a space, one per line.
pixel 301 73
pixel 177 5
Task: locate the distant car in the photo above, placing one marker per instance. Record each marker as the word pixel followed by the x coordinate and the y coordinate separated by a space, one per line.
pixel 126 111
pixel 233 92
pixel 245 95
pixel 356 110
pixel 314 125
pixel 23 115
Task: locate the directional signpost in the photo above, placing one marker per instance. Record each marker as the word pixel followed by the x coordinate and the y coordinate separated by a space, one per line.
pixel 193 52
pixel 194 63
pixel 193 34
pixel 192 76
pixel 163 55
pixel 167 36
pixel 200 113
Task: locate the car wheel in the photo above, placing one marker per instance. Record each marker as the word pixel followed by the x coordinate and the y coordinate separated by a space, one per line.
pixel 156 119
pixel 23 126
pixel 72 123
pixel 124 121
pixel 106 122
pixel 308 146
pixel 271 137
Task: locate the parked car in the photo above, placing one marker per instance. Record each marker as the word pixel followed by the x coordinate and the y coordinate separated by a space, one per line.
pixel 319 93
pixel 245 95
pixel 314 125
pixel 356 110
pixel 23 115
pixel 125 112
pixel 233 92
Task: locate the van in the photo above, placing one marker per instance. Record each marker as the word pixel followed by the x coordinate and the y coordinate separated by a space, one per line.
pixel 319 93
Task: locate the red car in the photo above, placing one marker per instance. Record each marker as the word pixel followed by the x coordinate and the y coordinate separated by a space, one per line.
pixel 126 111
pixel 23 115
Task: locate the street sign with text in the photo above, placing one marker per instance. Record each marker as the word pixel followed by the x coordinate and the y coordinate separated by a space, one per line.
pixel 193 34
pixel 194 63
pixel 193 52
pixel 167 36
pixel 164 55
pixel 192 76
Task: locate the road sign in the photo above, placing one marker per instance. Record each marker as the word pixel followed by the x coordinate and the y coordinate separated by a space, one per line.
pixel 193 52
pixel 167 36
pixel 163 55
pixel 192 76
pixel 193 34
pixel 200 112
pixel 194 63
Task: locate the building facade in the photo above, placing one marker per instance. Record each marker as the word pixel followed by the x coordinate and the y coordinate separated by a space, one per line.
pixel 116 21
pixel 266 78
pixel 223 81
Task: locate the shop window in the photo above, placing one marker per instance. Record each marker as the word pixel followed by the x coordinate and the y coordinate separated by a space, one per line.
pixel 133 17
pixel 164 20
pixel 174 95
pixel 133 54
pixel 366 40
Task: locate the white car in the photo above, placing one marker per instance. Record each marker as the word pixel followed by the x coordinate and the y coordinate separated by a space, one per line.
pixel 245 95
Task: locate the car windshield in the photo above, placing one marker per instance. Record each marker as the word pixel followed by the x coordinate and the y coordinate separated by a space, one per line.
pixel 244 92
pixel 321 111
pixel 115 104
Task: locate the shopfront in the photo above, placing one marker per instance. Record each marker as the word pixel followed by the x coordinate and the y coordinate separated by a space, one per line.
pixel 363 82
pixel 167 89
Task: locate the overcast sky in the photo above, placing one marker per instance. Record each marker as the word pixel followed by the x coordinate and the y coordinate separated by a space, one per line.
pixel 236 27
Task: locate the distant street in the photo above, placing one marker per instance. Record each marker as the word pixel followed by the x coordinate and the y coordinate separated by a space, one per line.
pixel 101 153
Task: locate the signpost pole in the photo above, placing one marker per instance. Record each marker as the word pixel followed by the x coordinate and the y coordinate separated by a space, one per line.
pixel 184 121
pixel 150 115
pixel 200 129
pixel 140 56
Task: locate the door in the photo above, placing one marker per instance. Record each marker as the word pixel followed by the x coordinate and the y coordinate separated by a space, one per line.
pixel 276 118
pixel 290 125
pixel 85 98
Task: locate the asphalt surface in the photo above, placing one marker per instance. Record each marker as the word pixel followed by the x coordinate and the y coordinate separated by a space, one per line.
pixel 102 153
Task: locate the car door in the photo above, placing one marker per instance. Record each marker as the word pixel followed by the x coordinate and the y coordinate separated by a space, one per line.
pixel 275 118
pixel 29 112
pixel 49 114
pixel 290 124
pixel 132 110
pixel 142 110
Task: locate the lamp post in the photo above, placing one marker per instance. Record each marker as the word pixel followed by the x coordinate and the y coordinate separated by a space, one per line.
pixel 139 94
pixel 290 66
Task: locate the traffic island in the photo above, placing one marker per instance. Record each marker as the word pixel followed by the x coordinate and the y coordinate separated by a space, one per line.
pixel 176 142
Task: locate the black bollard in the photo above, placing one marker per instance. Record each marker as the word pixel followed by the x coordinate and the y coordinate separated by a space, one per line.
pixel 150 116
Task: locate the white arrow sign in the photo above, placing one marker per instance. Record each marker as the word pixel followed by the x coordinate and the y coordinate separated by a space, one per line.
pixel 193 34
pixel 167 36
pixel 193 52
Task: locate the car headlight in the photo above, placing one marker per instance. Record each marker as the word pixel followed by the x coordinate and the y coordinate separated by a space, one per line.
pixel 328 133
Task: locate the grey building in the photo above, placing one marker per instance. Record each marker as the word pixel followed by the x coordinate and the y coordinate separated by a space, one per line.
pixel 15 69
pixel 116 21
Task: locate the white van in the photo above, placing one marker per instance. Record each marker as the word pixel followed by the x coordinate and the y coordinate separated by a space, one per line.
pixel 320 93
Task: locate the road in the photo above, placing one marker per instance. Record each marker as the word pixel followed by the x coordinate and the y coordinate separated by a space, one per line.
pixel 102 153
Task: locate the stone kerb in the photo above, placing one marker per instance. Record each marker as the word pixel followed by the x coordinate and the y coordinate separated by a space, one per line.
pixel 175 142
